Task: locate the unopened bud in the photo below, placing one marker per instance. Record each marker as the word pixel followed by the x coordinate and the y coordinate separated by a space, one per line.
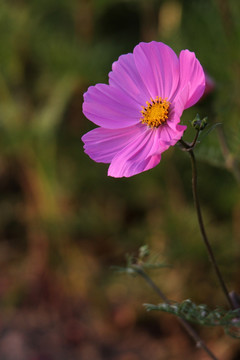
pixel 199 124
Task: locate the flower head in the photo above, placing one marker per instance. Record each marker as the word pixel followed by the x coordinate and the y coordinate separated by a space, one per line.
pixel 138 113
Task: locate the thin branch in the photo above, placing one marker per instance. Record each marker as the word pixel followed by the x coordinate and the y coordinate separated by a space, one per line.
pixel 191 332
pixel 201 224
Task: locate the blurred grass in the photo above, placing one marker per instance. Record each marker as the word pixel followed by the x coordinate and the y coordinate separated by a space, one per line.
pixel 63 222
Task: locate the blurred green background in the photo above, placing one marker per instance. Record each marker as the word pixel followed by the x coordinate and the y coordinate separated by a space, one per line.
pixel 64 223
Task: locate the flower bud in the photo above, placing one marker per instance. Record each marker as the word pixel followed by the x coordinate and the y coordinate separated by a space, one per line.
pixel 199 124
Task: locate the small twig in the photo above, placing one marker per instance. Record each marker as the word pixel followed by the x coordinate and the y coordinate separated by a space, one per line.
pixel 191 332
pixel 189 146
pixel 193 144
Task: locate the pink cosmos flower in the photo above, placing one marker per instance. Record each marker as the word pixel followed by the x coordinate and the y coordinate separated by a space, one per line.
pixel 138 113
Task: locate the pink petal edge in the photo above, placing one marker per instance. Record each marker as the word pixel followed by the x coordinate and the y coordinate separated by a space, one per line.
pixel 191 72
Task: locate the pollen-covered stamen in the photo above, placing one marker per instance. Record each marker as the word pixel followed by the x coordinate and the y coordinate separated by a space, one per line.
pixel 156 112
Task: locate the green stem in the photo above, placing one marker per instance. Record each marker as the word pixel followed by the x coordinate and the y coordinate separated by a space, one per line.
pixel 189 149
pixel 191 332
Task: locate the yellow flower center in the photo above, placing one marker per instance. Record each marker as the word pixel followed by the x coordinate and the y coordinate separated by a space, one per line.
pixel 156 112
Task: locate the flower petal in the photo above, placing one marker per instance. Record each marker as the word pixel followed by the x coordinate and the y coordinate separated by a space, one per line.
pixel 103 144
pixel 124 75
pixel 143 153
pixel 191 72
pixel 179 104
pixel 170 136
pixel 158 66
pixel 134 168
pixel 110 107
pixel 176 111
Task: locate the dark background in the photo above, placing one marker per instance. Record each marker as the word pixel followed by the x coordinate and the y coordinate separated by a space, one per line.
pixel 64 223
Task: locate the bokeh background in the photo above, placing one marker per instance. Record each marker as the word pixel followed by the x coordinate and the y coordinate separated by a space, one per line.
pixel 64 223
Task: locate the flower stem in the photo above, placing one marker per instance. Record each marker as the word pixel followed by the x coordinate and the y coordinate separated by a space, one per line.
pixel 191 332
pixel 189 149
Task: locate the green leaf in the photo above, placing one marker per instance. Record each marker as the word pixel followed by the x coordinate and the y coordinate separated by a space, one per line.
pixel 208 131
pixel 202 315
